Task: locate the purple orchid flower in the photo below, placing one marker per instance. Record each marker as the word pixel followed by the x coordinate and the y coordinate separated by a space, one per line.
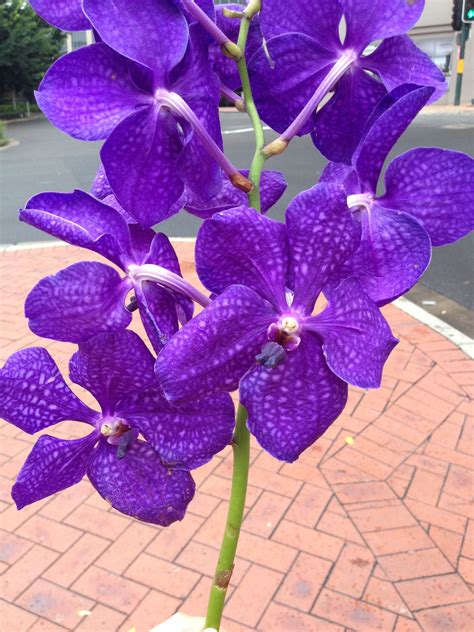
pixel 304 59
pixel 157 106
pixel 88 298
pixel 66 15
pixel 272 187
pixel 148 480
pixel 293 367
pixel 428 199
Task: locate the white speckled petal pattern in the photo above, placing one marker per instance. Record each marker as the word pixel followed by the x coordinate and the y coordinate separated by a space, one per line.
pixel 436 186
pixel 322 234
pixel 290 406
pixel 241 246
pixel 139 485
pixel 215 349
pixel 356 337
pixel 112 366
pixel 87 92
pixel 151 32
pixel 52 466
pixel 78 302
pixel 34 395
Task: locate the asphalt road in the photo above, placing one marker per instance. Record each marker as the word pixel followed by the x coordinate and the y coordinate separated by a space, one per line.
pixel 45 159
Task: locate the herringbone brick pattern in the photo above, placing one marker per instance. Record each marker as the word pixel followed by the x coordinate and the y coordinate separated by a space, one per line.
pixel 372 529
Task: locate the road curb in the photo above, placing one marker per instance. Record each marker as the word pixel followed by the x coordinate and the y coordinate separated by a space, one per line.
pixel 464 342
pixel 12 142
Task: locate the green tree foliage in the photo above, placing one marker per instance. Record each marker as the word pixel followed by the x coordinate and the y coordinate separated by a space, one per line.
pixel 28 46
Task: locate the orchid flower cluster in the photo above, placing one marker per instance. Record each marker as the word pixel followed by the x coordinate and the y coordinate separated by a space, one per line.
pixel 293 312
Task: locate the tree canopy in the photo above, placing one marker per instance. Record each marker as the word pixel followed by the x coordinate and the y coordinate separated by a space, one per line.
pixel 28 46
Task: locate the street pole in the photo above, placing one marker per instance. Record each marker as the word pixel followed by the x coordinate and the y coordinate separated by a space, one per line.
pixel 460 70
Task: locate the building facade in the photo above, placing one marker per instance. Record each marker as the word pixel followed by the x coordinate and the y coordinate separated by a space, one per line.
pixel 434 35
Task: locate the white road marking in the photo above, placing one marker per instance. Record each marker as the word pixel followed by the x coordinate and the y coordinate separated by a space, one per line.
pixel 243 130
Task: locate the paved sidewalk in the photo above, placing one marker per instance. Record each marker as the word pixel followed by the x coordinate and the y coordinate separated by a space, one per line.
pixel 369 530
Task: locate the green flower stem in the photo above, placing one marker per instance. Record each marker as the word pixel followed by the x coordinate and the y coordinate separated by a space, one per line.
pixel 258 159
pixel 225 564
pixel 241 443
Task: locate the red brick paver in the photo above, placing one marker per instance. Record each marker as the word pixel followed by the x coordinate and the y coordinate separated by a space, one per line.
pixel 371 534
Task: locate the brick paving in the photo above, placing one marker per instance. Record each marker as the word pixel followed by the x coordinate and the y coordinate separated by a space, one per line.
pixel 372 529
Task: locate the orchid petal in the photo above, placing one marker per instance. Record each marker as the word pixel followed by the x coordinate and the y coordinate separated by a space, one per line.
pixel 340 122
pixel 80 220
pixel 185 437
pixel 34 395
pixel 394 252
pixel 112 366
pixel 293 404
pixel 139 158
pixel 398 60
pixel 283 84
pixel 320 21
pixel 152 32
pixel 242 246
pixel 322 234
pixel 78 302
pixel 88 92
pixel 436 186
pixel 370 20
pixel 356 337
pixel 52 466
pixel 66 15
pixel 390 119
pixel 138 485
pixel 214 350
